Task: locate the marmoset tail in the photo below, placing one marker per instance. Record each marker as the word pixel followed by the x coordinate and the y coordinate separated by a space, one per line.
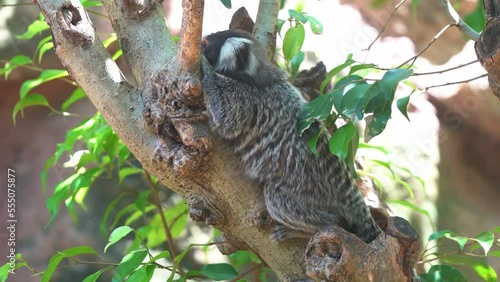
pixel 254 108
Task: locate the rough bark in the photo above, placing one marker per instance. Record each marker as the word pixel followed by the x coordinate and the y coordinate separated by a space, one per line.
pixel 488 46
pixel 160 118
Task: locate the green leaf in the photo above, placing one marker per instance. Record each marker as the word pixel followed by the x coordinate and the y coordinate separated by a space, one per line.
pixel 390 81
pixel 219 271
pixel 78 94
pixel 61 193
pixel 335 71
pixel 296 61
pixel 476 19
pixel 127 171
pixel 29 101
pixel 359 67
pixel 142 200
pixel 164 254
pixel 442 273
pixel 226 3
pixel 20 60
pixel 486 240
pixel 351 155
pixel 356 99
pixel 43 46
pixel 177 261
pixel 34 28
pixel 298 16
pixel 129 264
pixel 318 109
pixel 402 104
pixel 377 123
pixel 117 235
pixel 53 263
pixel 292 42
pixel 339 142
pixel 313 140
pixel 494 253
pixel 280 25
pixel 461 241
pixel 78 251
pixel 342 87
pixel 93 277
pixel 57 258
pixel 316 26
pixel 417 209
pixel 45 76
pixel 486 272
pixel 112 38
pixel 109 209
pixel 439 234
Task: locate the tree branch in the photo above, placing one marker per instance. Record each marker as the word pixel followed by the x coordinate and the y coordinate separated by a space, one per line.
pixel 190 41
pixel 266 25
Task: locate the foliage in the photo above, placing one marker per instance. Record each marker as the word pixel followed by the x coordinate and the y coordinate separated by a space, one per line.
pixel 138 217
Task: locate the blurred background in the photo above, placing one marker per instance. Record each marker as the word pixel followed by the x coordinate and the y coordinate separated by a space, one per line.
pixel 451 142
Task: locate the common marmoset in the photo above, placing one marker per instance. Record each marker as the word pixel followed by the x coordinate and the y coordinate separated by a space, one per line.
pixel 252 105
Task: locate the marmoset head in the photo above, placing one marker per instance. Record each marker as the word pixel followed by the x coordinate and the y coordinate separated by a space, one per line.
pixel 237 54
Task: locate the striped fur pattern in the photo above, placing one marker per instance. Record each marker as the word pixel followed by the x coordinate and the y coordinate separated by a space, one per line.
pixel 252 105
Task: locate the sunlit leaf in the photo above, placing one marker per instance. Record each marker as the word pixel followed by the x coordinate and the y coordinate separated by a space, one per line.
pixel 292 42
pixel 34 28
pixel 129 264
pixel 29 101
pixel 117 235
pixel 318 109
pixel 45 76
pixel 339 142
pixel 316 26
pixel 442 273
pixel 298 16
pixel 486 240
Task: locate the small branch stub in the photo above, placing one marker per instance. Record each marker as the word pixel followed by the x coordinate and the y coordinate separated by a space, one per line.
pixel 334 254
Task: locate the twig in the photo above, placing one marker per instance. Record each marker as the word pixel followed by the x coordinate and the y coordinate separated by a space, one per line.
pixel 241 275
pixel 414 58
pixel 455 82
pixel 158 205
pixel 445 70
pixel 385 25
pixel 457 21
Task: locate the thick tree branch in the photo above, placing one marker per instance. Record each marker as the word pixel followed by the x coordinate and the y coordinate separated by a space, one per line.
pixel 266 25
pixel 144 37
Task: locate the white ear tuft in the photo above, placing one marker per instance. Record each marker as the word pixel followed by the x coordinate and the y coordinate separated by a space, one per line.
pixel 229 51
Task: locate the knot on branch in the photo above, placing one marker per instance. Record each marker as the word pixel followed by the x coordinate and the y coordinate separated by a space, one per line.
pixel 174 110
pixel 199 210
pixel 139 9
pixel 228 244
pixel 75 24
pixel 334 254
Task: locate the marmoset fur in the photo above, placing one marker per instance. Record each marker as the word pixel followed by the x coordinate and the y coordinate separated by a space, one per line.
pixel 252 106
